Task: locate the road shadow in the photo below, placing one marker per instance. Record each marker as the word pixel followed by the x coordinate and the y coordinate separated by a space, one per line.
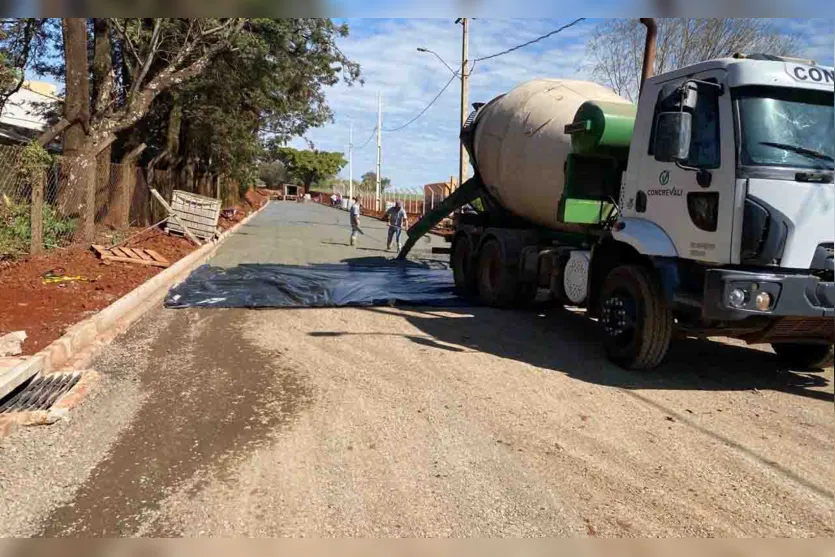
pixel 563 341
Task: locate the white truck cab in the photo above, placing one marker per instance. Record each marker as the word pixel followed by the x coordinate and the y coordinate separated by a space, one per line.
pixel 729 186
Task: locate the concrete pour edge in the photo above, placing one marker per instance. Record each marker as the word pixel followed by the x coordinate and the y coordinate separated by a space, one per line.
pixel 84 339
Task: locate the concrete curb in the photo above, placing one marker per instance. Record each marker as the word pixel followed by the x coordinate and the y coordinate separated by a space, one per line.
pixel 84 339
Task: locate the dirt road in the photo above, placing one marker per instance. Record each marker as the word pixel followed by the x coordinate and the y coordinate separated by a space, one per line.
pixel 384 422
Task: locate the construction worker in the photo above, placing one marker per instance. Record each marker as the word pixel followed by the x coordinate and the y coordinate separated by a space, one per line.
pixel 398 220
pixel 354 215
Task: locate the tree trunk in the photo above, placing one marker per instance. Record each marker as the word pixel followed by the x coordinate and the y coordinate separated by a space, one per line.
pixel 175 124
pixel 188 175
pixel 118 211
pixel 77 192
pixel 204 186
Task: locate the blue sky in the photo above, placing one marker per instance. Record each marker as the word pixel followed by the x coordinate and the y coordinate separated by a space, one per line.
pixel 427 150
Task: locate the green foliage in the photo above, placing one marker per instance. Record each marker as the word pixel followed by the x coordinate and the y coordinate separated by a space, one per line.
pixel 16 228
pixel 272 173
pixel 33 162
pixel 272 83
pixel 309 167
pixel 369 181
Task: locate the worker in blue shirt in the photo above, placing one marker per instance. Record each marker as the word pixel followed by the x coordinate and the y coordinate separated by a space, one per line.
pixel 398 220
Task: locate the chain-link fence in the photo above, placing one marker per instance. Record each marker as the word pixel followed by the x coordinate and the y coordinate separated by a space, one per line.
pixel 416 201
pixel 49 205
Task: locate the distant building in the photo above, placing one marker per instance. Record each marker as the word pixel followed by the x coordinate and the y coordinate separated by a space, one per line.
pixel 24 116
pixel 433 194
pixel 290 191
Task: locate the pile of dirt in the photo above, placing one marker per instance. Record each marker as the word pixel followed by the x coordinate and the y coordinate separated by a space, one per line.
pixel 255 199
pixel 45 311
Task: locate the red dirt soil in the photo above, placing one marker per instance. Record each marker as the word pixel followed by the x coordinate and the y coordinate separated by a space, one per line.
pixel 45 311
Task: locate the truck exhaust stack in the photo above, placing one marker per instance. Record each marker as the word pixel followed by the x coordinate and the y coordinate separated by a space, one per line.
pixel 649 49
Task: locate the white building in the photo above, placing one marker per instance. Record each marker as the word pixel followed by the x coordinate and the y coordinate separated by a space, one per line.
pixel 23 116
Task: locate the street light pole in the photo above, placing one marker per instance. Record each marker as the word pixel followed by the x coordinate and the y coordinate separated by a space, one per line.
pixel 465 93
pixel 350 163
pixel 379 148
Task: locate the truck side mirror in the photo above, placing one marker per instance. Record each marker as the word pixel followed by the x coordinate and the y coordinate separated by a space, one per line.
pixel 672 136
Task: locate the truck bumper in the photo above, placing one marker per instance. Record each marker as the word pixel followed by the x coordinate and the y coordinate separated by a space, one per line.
pixel 804 296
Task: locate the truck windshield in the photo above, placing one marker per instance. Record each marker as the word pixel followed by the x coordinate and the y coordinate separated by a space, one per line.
pixel 786 127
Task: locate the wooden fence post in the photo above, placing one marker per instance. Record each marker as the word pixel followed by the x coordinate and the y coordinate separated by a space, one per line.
pixel 36 216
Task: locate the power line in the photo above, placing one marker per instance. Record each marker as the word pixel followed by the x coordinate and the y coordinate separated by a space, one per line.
pixel 421 113
pixel 536 40
pixel 369 137
pixel 483 58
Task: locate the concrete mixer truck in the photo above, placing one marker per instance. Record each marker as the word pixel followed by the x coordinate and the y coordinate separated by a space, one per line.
pixel 706 210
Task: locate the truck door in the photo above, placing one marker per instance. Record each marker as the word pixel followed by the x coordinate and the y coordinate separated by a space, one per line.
pixel 695 209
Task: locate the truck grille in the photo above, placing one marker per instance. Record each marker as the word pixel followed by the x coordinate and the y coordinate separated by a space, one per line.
pixel 801 328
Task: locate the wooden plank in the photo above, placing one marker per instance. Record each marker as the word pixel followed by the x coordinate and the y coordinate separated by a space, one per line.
pixel 101 250
pixel 137 261
pixel 133 252
pixel 143 254
pixel 119 252
pixel 157 257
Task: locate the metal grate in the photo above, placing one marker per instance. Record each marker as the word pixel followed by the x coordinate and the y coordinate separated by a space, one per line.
pixel 39 393
pixel 803 327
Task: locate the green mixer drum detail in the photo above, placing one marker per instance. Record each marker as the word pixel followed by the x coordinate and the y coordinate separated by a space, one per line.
pixel 601 124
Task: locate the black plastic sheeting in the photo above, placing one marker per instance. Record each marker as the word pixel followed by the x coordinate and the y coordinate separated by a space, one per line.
pixel 289 286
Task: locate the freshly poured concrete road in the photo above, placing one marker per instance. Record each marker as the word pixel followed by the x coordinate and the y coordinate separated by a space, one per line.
pixel 384 422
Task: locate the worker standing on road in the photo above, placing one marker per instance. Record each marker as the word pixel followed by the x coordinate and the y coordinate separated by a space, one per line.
pixel 354 215
pixel 398 220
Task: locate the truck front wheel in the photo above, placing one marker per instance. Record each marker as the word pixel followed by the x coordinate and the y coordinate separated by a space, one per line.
pixel 635 316
pixel 805 356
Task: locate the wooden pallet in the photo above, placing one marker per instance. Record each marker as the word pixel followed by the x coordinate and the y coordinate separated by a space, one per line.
pixel 140 256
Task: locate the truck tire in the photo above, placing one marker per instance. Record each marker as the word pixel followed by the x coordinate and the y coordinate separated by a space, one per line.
pixel 496 277
pixel 637 321
pixel 805 356
pixel 463 265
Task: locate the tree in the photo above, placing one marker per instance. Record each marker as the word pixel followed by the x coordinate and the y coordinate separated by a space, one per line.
pixel 271 83
pixel 272 173
pixel 617 45
pixel 198 92
pixel 310 167
pixel 155 55
pixel 22 40
pixel 369 181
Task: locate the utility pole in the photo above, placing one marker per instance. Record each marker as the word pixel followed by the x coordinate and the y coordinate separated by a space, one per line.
pixel 379 148
pixel 464 160
pixel 350 163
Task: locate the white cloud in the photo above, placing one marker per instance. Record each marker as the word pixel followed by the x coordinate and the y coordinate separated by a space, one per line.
pixel 427 150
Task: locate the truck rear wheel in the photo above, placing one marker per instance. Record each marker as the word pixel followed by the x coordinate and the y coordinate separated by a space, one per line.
pixel 636 318
pixel 805 356
pixel 463 267
pixel 496 277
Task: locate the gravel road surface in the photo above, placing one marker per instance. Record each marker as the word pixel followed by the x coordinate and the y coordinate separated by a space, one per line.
pixel 389 422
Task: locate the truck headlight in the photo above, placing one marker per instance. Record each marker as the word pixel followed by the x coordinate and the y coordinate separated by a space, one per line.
pixel 763 301
pixel 737 297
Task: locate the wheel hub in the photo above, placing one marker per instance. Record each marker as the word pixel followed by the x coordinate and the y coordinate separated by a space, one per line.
pixel 618 315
